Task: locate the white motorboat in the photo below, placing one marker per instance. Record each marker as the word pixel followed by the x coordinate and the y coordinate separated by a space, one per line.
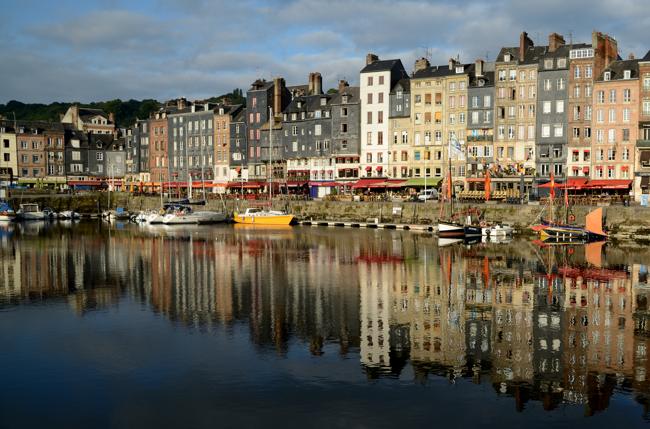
pixel 69 215
pixel 498 230
pixel 31 212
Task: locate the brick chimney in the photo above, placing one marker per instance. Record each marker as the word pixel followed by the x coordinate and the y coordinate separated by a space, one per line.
pixel 524 43
pixel 555 41
pixel 421 64
pixel 318 83
pixel 605 49
pixel 452 63
pixel 111 117
pixel 180 103
pixel 278 85
pixel 371 58
pixel 478 67
pixel 310 84
pixel 343 84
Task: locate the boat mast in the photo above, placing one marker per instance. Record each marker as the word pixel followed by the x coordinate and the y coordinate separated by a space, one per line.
pixel 271 156
pixel 187 167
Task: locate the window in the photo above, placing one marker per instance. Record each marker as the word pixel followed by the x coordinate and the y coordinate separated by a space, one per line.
pixel 558 130
pixel 626 115
pixel 646 107
pixel 381 80
pixel 547 107
pixel 487 101
pixel 513 74
pixel 576 113
pixel 380 137
pixel 369 80
pixel 546 130
pixel 502 74
pixel 344 128
pixel 576 91
pixel 600 116
pixel 294 130
pixel 475 102
pixel 380 117
pixel 612 115
pixel 576 72
pixel 600 136
pixel 559 106
pixel 600 96
pixel 576 133
pixel 607 76
pixel 547 84
pixel 548 64
pixel 611 135
pixel 474 117
pixel 369 119
pixel 627 74
pixel 317 129
pixel 561 84
pixel 626 134
pixel 380 97
pixel 588 111
pixel 612 96
pixel 369 98
pixel 626 154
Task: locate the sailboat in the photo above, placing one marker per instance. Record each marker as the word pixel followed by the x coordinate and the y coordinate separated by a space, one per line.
pixel 550 229
pixel 257 216
pixel 450 226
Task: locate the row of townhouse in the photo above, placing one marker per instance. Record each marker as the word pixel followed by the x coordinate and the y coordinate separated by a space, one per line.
pixel 576 111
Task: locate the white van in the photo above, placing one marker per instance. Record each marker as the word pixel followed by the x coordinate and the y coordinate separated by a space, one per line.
pixel 429 194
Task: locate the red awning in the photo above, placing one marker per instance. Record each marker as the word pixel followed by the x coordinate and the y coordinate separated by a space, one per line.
pixel 237 169
pixel 585 169
pixel 86 183
pixel 609 184
pixel 379 168
pixel 245 185
pixel 295 183
pixel 368 168
pixel 327 184
pixel 367 183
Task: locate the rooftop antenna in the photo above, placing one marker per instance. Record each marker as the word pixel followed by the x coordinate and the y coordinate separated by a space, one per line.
pixel 570 38
pixel 487 56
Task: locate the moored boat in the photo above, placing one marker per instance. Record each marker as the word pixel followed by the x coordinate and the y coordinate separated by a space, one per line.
pixel 31 212
pixel 257 216
pixel 7 214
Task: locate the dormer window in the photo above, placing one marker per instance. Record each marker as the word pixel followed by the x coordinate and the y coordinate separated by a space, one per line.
pixel 22 130
pixel 506 58
pixel 221 111
pixel 561 62
pixel 627 74
pixel 299 105
pixel 34 131
pixel 607 75
pixel 548 64
pixel 481 82
pixel 345 99
pixel 460 69
pixel 323 101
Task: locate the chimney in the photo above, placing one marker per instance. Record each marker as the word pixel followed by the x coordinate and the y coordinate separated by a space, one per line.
pixel 342 85
pixel 478 67
pixel 452 63
pixel 421 64
pixel 310 84
pixel 605 48
pixel 318 83
pixel 111 117
pixel 278 84
pixel 630 56
pixel 206 107
pixel 524 44
pixel 555 41
pixel 180 103
pixel 371 58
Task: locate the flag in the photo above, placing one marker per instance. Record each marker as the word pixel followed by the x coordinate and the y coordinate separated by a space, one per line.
pixel 456 148
pixel 488 191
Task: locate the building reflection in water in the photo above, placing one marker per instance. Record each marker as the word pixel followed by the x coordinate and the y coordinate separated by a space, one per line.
pixel 548 324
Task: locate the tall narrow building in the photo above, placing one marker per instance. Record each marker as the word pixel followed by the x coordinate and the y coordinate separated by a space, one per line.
pixel 376 80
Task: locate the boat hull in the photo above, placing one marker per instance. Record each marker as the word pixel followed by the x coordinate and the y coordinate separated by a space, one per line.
pixel 473 231
pixel 451 230
pixel 263 219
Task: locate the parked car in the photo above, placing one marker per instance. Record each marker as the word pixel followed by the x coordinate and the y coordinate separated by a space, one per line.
pixel 429 194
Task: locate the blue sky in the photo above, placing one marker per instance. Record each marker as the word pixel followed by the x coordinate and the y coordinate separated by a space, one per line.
pixel 99 50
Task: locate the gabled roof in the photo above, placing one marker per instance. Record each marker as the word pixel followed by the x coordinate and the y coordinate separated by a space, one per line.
pixel 100 141
pixel 353 92
pixel 531 56
pixel 441 71
pixel 260 84
pixel 382 65
pixel 617 69
pixel 404 84
pixel 87 113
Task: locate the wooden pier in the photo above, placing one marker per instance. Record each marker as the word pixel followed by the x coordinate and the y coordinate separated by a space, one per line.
pixel 369 224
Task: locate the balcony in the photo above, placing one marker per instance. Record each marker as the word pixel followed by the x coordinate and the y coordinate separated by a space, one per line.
pixel 484 138
pixel 643 143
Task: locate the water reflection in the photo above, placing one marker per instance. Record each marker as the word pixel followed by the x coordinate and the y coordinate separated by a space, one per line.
pixel 548 324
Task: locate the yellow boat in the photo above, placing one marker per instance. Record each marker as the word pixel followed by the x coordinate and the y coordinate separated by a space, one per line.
pixel 256 216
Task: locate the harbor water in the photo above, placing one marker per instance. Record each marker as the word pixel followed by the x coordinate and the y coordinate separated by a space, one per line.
pixel 119 325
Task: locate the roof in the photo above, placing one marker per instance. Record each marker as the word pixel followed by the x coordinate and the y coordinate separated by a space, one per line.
pixel 531 56
pixel 617 68
pixel 646 57
pixel 353 92
pixel 404 83
pixel 382 65
pixel 441 71
pixel 100 141
pixel 260 84
pixel 309 103
pixel 487 78
pixel 86 112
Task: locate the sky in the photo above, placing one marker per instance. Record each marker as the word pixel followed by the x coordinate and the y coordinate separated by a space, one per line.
pixel 67 50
